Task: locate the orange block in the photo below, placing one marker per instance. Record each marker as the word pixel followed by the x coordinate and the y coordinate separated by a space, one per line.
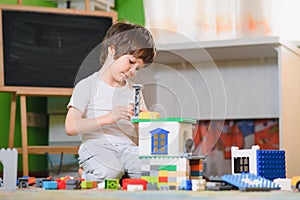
pixel 196 168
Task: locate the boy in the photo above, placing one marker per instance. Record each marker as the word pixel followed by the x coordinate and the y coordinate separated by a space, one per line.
pixel 102 104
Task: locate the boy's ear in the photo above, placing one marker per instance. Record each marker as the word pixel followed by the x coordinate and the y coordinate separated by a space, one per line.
pixel 111 51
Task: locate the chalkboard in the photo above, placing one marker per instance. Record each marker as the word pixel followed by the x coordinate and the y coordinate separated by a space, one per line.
pixel 45 48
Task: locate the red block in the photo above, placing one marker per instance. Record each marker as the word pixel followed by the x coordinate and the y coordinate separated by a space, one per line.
pixel 133 181
pixel 162 179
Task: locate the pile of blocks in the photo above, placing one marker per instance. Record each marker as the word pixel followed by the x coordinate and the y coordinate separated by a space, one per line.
pixel 165 170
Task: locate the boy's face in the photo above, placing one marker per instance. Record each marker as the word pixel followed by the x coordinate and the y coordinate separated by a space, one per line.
pixel 126 67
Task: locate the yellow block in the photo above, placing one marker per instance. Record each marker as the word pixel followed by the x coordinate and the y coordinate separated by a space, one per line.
pixel 149 115
pixel 177 173
pixel 163 173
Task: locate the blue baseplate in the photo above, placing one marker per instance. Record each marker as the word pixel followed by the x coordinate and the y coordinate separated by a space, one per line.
pixel 250 182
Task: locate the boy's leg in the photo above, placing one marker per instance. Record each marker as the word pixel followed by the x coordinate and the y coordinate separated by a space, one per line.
pixel 100 162
pixel 129 157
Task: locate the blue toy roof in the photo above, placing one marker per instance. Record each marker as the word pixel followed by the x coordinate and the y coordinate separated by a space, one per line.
pixel 159 131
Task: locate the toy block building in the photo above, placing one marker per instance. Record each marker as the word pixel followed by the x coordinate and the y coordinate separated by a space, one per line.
pixel 269 164
pixel 166 147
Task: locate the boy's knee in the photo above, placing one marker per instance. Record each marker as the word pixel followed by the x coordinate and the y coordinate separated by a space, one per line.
pixel 100 175
pixel 114 172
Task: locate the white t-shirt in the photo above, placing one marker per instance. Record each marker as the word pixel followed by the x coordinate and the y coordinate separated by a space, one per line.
pixel 95 98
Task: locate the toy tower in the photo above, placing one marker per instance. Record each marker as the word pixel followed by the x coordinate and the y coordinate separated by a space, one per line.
pixel 166 146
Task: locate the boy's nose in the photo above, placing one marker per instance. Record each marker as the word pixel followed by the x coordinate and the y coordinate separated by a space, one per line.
pixel 132 71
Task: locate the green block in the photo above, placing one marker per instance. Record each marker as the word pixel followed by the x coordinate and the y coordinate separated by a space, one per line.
pixel 111 184
pixel 150 179
pixel 161 157
pixel 167 167
pixel 181 120
pixel 86 184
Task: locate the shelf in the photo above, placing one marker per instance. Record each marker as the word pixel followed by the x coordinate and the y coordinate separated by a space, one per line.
pixel 50 149
pixel 234 49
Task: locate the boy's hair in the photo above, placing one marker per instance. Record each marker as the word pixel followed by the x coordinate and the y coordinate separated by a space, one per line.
pixel 127 38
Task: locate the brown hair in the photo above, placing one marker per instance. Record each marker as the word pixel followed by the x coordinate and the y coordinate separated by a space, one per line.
pixel 127 38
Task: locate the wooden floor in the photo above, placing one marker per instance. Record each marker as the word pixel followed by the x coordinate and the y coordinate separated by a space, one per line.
pixel 40 194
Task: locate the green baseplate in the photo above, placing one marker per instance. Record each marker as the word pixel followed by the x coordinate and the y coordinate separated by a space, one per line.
pixel 181 120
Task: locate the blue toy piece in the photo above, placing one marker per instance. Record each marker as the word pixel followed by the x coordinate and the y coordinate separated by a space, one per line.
pixel 159 141
pixel 250 182
pixel 271 164
pixel 185 185
pixel 49 185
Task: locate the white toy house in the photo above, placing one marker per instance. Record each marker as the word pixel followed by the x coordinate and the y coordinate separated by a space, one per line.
pixel 165 136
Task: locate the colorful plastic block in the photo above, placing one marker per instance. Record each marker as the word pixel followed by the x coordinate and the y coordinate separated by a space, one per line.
pixel 149 115
pixel 23 183
pixel 39 181
pixel 250 182
pixel 49 185
pixel 185 185
pixel 271 164
pixel 61 184
pixel 133 181
pixel 159 141
pixel 86 184
pixel 73 184
pixel 111 184
pixel 152 186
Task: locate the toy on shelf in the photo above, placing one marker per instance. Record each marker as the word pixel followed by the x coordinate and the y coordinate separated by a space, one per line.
pixel 9 160
pixel 250 182
pixel 269 164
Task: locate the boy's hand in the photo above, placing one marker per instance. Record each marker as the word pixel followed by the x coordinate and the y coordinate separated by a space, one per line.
pixel 121 112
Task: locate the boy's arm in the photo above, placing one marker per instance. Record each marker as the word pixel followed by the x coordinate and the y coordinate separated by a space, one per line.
pixel 75 123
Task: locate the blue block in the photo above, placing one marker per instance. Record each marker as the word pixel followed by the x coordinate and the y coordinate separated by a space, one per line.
pixel 271 164
pixel 250 182
pixel 50 185
pixel 196 173
pixel 185 185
